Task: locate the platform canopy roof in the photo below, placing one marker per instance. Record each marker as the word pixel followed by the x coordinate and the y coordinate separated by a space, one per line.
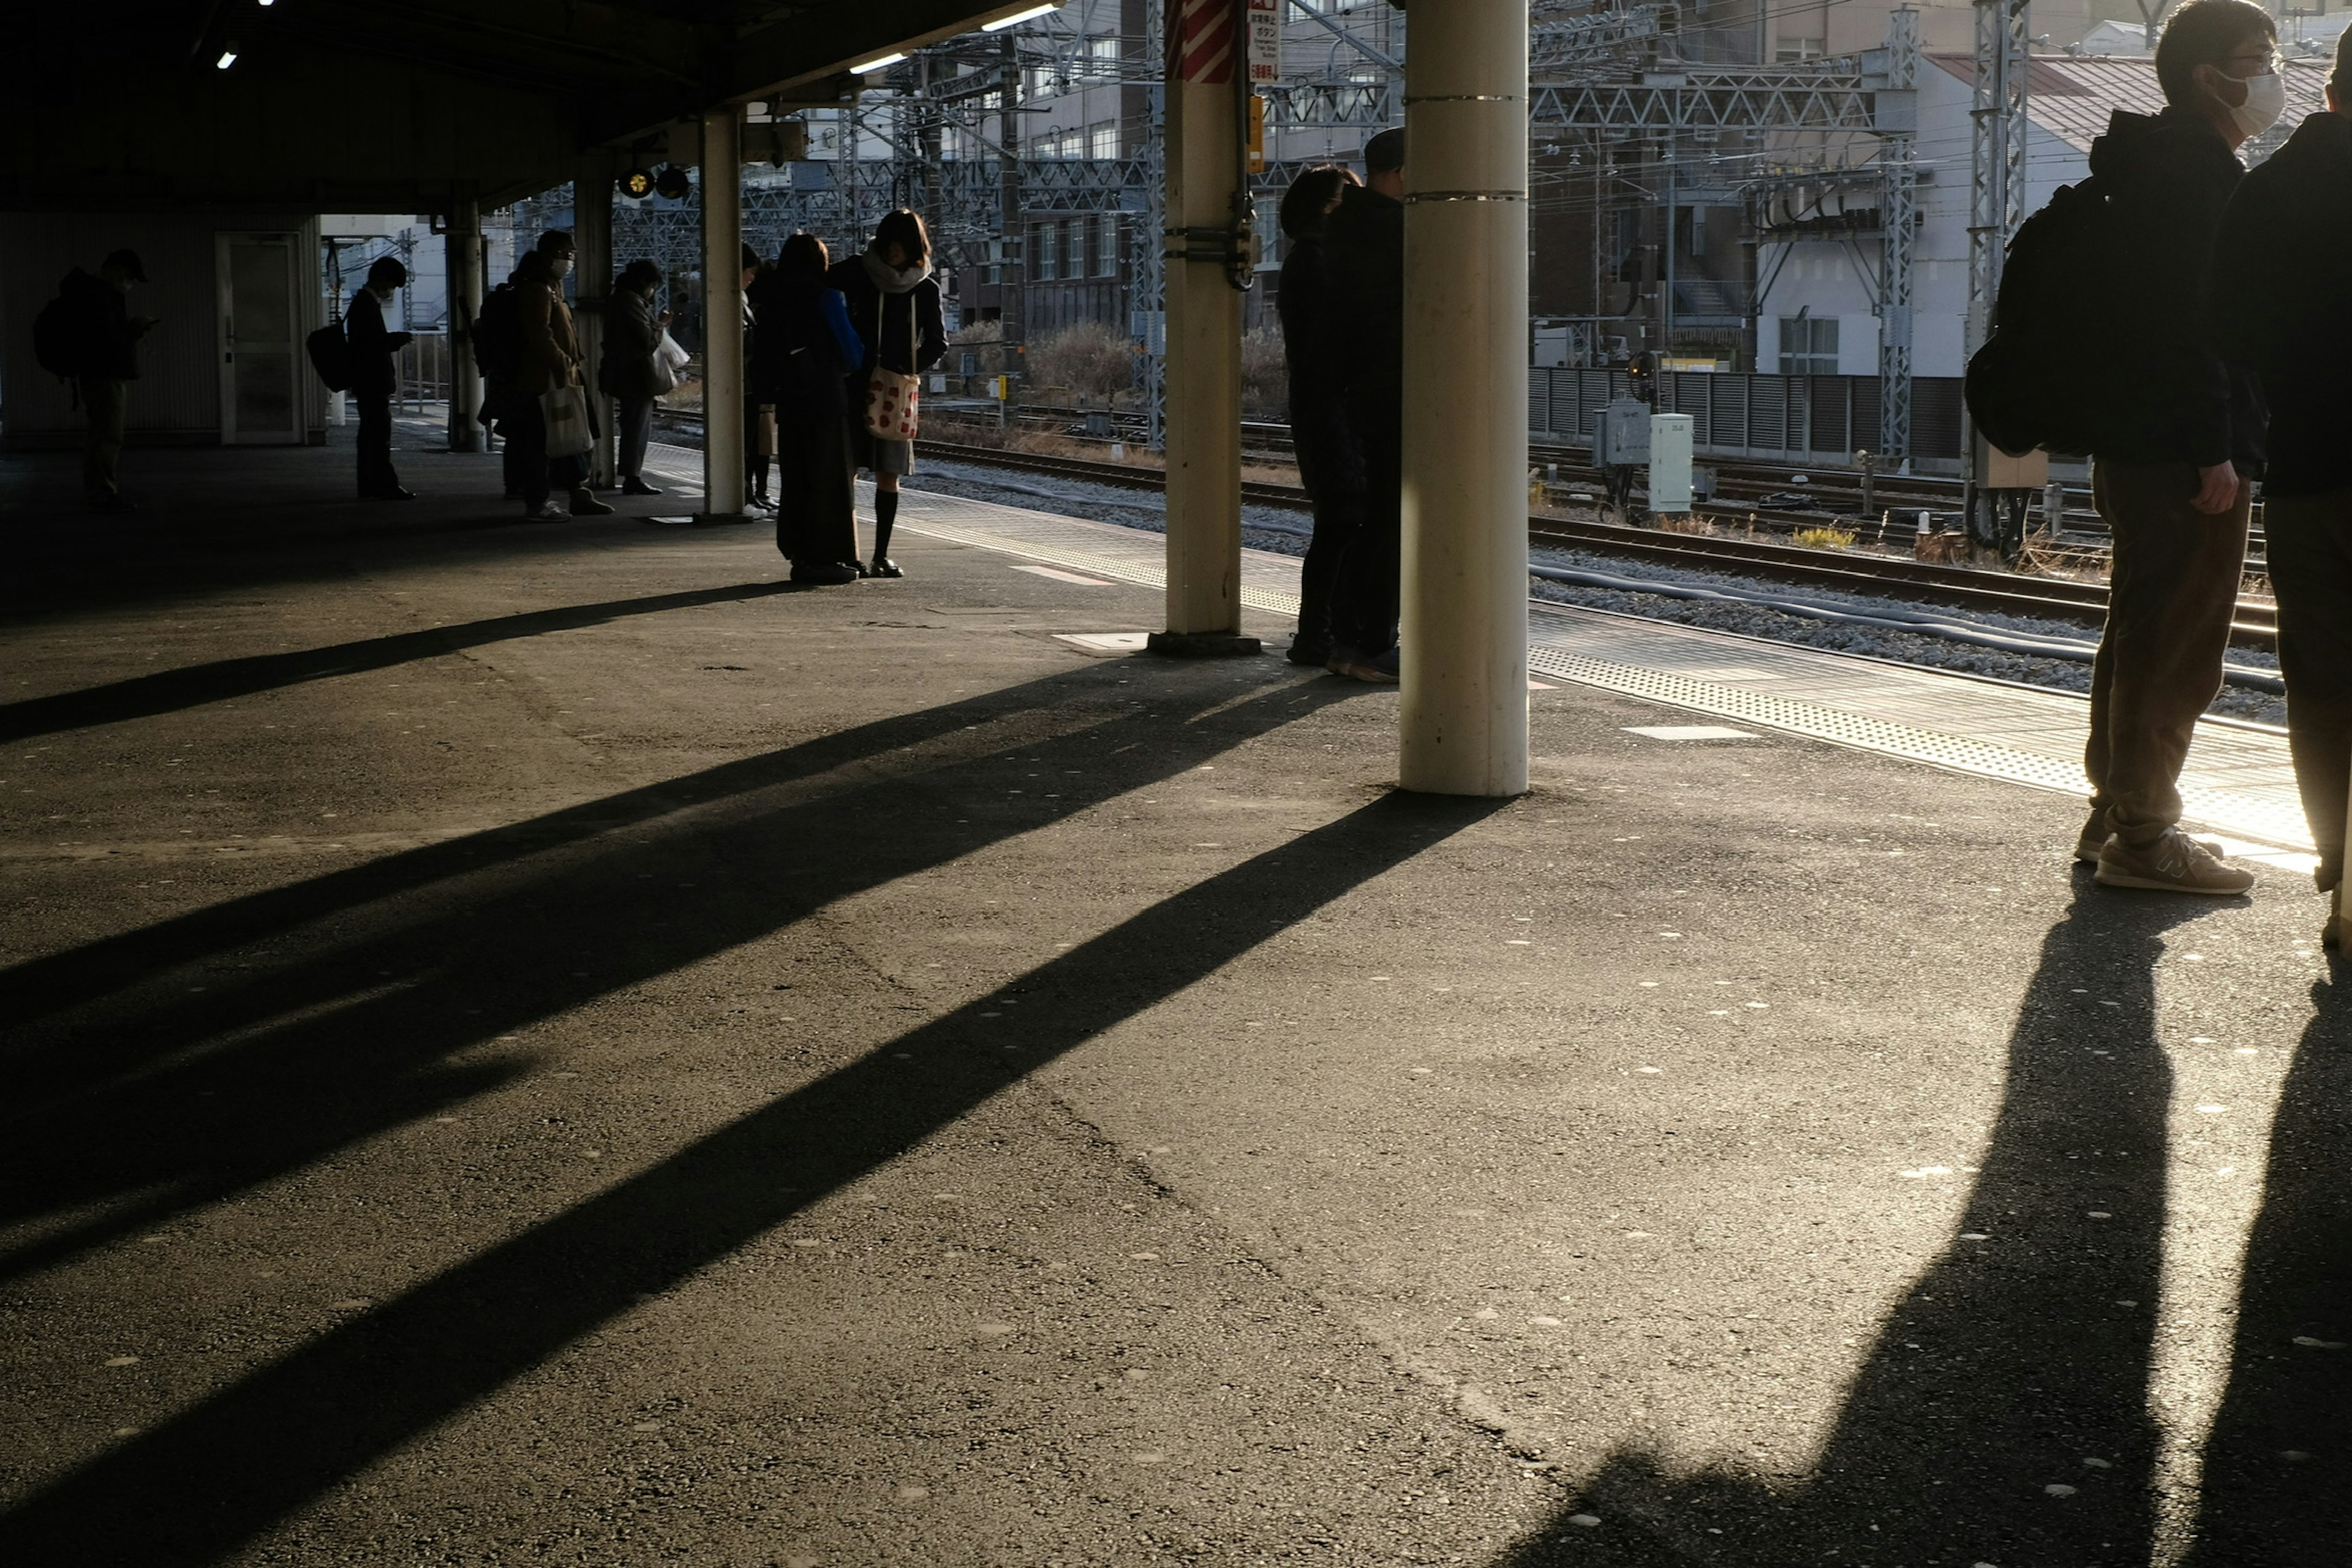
pixel 400 105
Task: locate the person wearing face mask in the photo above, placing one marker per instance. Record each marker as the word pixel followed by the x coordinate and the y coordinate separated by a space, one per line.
pixel 374 377
pixel 2282 308
pixel 2178 440
pixel 633 328
pixel 549 359
pixel 893 302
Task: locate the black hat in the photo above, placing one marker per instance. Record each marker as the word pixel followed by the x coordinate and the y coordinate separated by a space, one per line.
pixel 129 261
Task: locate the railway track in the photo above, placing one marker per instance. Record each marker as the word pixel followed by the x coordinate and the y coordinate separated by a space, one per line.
pixel 2255 625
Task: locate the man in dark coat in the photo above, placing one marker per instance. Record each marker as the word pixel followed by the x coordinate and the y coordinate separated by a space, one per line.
pixel 375 378
pixel 2282 308
pixel 1363 252
pixel 2180 438
pixel 1330 463
pixel 106 361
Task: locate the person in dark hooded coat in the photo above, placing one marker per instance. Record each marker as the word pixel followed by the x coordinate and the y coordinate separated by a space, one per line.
pixel 802 349
pixel 2281 296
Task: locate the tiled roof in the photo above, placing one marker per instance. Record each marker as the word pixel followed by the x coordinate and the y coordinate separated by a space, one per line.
pixel 2072 98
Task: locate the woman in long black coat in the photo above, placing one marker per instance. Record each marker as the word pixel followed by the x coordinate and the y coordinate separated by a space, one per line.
pixel 894 303
pixel 803 348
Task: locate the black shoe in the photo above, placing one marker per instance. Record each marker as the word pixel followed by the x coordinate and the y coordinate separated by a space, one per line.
pixel 395 493
pixel 1314 654
pixel 883 567
pixel 112 501
pixel 586 505
pixel 827 574
pixel 634 486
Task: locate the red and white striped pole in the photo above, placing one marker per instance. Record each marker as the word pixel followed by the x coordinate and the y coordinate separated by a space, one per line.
pixel 1205 71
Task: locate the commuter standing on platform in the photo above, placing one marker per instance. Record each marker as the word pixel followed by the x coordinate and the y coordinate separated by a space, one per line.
pixel 2178 440
pixel 1363 256
pixel 375 377
pixel 1330 465
pixel 755 453
pixel 550 360
pixel 2282 307
pixel 101 350
pixel 802 350
pixel 633 332
pixel 894 303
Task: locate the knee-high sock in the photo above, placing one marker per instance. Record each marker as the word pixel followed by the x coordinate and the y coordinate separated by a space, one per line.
pixel 885 512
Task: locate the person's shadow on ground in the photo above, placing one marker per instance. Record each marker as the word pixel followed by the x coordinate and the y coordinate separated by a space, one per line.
pixel 2001 1417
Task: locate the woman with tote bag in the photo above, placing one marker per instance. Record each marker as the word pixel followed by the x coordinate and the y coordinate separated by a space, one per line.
pixel 894 302
pixel 550 416
pixel 802 344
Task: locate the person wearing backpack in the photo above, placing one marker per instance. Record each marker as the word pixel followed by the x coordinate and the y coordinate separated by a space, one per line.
pixel 88 336
pixel 374 377
pixel 894 302
pixel 2282 308
pixel 2177 441
pixel 803 345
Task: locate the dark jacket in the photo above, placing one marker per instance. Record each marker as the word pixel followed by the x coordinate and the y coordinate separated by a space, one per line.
pixel 631 333
pixel 913 334
pixel 2282 301
pixel 106 340
pixel 803 345
pixel 2167 395
pixel 372 347
pixel 1363 254
pixel 1330 462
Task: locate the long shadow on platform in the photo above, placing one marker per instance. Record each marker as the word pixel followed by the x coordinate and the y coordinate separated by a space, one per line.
pixel 169 690
pixel 192 1489
pixel 2278 1469
pixel 2020 1355
pixel 174 1065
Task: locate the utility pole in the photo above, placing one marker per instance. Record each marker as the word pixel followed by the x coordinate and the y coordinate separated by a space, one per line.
pixel 464 260
pixel 1995 208
pixel 1013 273
pixel 1898 209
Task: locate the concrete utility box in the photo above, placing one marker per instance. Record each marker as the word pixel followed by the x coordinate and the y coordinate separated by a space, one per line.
pixel 1670 463
pixel 1621 434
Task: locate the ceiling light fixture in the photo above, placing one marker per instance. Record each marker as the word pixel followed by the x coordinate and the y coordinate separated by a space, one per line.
pixel 228 58
pixel 876 65
pixel 1018 18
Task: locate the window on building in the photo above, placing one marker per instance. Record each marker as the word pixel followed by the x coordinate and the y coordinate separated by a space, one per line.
pixel 1107 245
pixel 1046 265
pixel 1808 346
pixel 1102 138
pixel 1102 57
pixel 1786 49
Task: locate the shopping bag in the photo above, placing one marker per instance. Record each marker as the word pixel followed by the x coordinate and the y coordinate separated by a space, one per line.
pixel 565 410
pixel 891 395
pixel 668 364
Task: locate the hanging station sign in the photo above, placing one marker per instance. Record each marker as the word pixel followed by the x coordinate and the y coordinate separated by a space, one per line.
pixel 1265 42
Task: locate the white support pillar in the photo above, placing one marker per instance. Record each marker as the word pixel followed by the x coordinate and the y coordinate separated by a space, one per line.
pixel 1205 73
pixel 592 242
pixel 1464 626
pixel 722 317
pixel 463 251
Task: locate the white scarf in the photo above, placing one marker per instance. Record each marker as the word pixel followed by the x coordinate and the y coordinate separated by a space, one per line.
pixel 893 279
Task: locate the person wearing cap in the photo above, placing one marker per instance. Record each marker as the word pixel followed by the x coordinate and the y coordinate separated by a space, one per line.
pixel 106 361
pixel 375 378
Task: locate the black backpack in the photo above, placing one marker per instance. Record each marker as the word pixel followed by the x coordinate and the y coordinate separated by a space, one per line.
pixel 331 356
pixel 58 338
pixel 497 336
pixel 2040 379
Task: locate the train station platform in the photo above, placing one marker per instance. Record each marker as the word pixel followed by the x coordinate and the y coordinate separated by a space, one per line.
pixel 544 1043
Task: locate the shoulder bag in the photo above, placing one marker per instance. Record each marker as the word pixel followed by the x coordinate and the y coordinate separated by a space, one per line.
pixel 891 395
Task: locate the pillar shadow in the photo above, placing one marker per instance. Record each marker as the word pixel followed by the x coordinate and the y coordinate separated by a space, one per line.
pixel 171 690
pixel 2278 1466
pixel 192 1489
pixel 171 1066
pixel 2013 1362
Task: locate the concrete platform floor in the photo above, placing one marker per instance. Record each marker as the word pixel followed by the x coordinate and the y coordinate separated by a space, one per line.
pixel 542 1044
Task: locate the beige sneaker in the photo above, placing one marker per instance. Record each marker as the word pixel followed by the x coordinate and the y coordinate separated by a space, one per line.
pixel 2175 863
pixel 2094 837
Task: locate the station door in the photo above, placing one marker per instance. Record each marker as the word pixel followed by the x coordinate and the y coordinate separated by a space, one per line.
pixel 260 333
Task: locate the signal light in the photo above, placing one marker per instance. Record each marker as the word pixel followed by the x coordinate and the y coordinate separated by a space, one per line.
pixel 673 183
pixel 638 183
